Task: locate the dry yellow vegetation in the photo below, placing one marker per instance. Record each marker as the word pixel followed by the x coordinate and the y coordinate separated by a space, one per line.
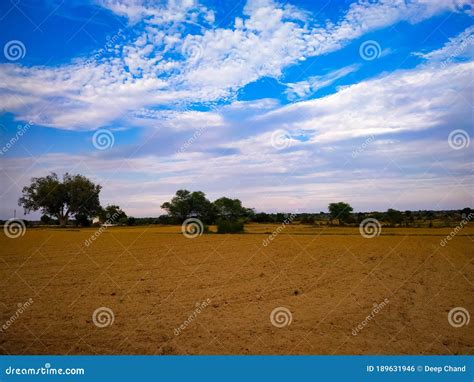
pixel 214 294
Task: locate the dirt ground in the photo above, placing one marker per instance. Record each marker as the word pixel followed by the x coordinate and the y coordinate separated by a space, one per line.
pixel 215 294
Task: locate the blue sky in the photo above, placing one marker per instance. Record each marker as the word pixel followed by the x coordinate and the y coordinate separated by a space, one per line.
pixel 285 105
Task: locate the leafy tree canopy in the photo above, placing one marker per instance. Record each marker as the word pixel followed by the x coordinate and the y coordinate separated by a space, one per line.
pixel 73 195
pixel 231 209
pixel 112 214
pixel 186 204
pixel 341 211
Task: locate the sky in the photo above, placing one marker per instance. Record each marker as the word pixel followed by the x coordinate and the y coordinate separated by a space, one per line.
pixel 287 106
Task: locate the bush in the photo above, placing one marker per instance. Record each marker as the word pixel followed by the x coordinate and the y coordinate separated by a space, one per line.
pixel 226 226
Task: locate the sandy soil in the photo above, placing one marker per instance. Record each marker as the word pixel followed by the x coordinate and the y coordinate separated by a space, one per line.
pixel 154 279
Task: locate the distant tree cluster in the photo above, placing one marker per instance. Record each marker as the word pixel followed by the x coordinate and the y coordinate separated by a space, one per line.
pixel 75 199
pixel 228 214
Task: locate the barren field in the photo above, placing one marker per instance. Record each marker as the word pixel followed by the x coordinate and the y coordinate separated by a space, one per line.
pixel 215 294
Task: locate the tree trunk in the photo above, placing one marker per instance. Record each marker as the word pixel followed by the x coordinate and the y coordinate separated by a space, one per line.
pixel 62 220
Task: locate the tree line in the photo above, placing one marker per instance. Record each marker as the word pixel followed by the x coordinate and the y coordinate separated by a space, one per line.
pixel 74 199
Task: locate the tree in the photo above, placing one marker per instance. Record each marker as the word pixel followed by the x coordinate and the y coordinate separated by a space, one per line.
pixel 45 219
pixel 262 217
pixel 112 214
pixel 74 195
pixel 465 212
pixel 231 209
pixel 186 204
pixel 341 211
pixel 83 220
pixel 394 216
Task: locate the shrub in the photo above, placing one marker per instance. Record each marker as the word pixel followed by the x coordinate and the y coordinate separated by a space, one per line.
pixel 227 226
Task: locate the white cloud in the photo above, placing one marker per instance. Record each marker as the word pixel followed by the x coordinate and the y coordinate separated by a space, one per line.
pixel 409 100
pixel 145 71
pixel 303 89
pixel 461 45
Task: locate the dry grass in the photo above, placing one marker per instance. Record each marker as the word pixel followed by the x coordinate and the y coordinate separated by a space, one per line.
pixel 152 278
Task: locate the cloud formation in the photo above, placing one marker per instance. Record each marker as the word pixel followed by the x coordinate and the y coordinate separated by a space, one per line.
pixel 177 75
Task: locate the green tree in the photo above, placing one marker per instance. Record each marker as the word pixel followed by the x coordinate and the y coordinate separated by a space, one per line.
pixel 112 214
pixel 83 220
pixel 185 204
pixel 231 209
pixel 340 211
pixel 394 216
pixel 45 219
pixel 262 217
pixel 73 195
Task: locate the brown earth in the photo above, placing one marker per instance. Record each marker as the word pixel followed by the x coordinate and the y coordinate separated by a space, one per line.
pixel 153 279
